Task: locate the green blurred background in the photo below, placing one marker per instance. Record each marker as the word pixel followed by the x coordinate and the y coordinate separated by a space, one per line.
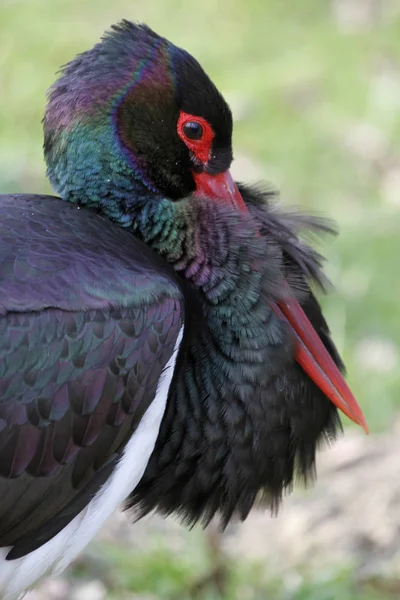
pixel 314 86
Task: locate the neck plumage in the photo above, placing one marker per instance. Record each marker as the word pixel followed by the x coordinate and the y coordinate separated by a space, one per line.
pixel 221 255
pixel 216 249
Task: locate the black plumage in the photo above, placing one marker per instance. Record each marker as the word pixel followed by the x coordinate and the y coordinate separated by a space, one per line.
pixel 89 320
pixel 153 266
pixel 223 444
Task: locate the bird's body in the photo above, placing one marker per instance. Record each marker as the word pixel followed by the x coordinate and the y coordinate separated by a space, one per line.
pixel 150 346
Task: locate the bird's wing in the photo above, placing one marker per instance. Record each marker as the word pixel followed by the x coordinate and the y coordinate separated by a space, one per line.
pixel 88 322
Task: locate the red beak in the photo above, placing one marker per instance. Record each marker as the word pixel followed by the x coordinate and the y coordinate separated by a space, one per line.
pixel 220 187
pixel 311 354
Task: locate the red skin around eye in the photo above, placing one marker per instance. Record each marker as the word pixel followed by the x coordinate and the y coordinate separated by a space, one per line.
pixel 201 148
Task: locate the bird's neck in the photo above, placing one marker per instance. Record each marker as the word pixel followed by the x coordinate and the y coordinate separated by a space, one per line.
pixel 217 250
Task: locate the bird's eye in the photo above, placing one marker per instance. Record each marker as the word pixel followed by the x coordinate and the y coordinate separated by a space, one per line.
pixel 193 130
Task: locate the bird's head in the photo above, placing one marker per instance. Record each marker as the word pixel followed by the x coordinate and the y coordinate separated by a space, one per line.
pixel 136 114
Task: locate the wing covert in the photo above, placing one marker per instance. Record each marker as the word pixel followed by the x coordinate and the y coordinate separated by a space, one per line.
pixel 87 326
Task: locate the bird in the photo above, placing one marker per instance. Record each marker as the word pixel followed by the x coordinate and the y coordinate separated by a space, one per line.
pixel 162 347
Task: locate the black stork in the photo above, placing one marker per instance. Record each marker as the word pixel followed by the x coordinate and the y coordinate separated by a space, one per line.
pixel 159 340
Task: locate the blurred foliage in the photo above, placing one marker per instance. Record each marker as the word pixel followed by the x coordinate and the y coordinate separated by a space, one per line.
pixel 159 573
pixel 315 90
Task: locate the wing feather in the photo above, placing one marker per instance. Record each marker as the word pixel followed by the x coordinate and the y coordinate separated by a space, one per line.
pixel 88 321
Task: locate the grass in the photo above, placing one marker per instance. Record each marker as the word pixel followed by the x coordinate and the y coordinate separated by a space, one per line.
pixel 316 100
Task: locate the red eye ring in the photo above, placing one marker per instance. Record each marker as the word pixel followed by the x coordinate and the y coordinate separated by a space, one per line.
pixel 201 146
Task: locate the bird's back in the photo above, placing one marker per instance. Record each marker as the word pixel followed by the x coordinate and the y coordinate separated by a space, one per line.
pixel 48 246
